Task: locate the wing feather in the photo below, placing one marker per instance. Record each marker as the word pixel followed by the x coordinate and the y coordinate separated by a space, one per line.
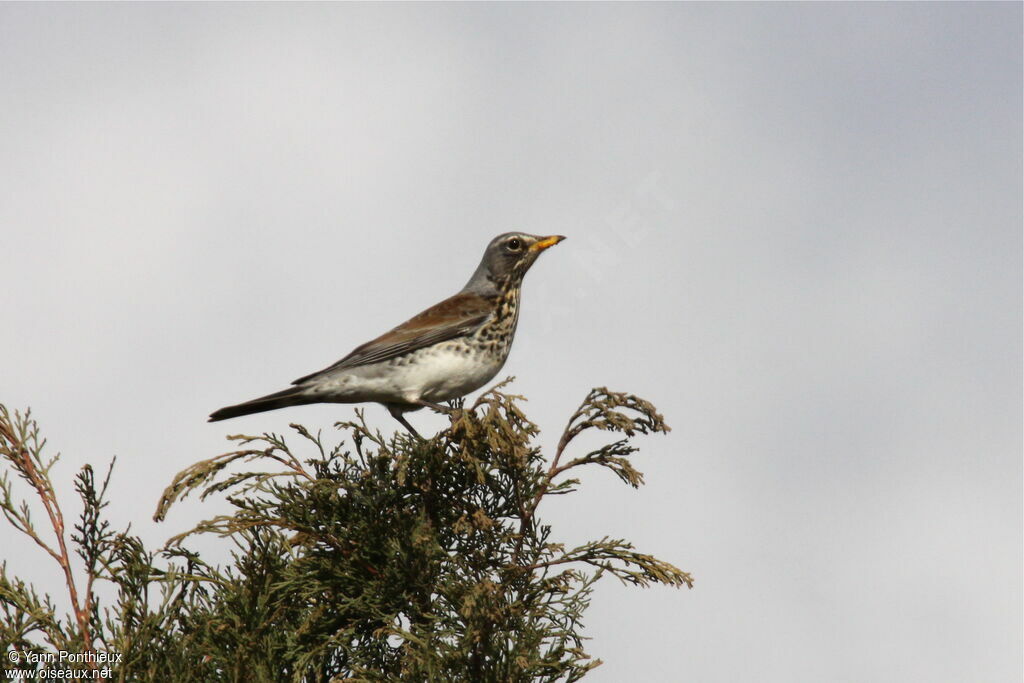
pixel 454 317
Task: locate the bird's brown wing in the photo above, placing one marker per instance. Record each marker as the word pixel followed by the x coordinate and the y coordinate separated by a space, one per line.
pixel 453 317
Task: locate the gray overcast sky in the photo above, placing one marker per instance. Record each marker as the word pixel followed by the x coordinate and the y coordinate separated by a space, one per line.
pixel 794 227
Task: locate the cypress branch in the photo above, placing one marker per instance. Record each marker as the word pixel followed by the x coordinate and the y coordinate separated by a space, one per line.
pixel 370 559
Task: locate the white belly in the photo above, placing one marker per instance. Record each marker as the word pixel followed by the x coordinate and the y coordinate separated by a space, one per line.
pixel 433 374
pixel 444 373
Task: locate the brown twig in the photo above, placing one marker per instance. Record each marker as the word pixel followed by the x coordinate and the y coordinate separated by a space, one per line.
pixel 20 456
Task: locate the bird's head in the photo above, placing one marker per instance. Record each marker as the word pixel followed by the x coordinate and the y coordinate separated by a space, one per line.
pixel 507 259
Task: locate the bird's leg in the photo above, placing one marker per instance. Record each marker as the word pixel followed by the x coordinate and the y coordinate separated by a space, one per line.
pixel 396 413
pixel 453 413
pixel 436 406
pixel 408 426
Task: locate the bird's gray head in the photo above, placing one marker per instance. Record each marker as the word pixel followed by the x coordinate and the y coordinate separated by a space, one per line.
pixel 506 261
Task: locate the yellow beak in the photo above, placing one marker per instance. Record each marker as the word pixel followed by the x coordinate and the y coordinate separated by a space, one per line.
pixel 547 242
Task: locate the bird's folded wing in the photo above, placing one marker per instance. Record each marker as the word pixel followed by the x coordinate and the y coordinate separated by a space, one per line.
pixel 454 317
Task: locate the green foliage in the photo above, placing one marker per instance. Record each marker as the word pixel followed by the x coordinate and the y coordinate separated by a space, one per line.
pixel 376 558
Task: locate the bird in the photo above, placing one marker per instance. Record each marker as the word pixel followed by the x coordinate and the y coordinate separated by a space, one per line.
pixel 449 350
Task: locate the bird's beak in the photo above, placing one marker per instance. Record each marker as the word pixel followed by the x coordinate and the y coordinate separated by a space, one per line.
pixel 546 242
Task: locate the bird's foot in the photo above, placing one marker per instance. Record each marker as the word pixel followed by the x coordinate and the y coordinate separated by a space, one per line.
pixel 447 410
pixel 453 413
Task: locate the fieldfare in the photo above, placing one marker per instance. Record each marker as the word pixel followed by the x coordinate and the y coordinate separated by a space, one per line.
pixel 445 352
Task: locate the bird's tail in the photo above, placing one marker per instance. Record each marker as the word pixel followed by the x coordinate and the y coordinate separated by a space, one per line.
pixel 292 396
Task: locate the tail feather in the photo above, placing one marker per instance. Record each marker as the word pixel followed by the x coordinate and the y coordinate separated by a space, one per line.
pixel 292 396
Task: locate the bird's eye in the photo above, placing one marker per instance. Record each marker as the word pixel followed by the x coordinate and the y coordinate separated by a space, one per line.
pixel 514 244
